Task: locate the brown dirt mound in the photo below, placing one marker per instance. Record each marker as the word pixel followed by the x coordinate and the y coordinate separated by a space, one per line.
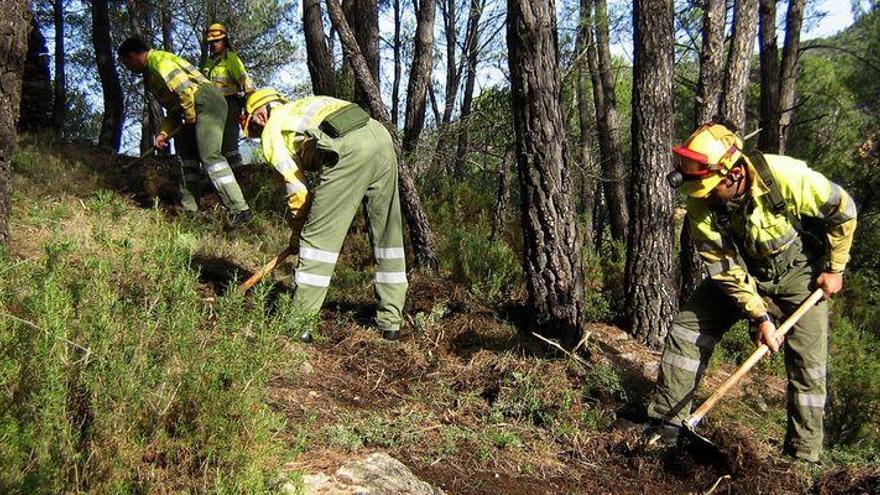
pixel 849 482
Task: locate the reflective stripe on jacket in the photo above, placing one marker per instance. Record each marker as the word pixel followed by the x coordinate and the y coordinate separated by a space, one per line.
pixel 285 132
pixel 228 74
pixel 763 233
pixel 174 82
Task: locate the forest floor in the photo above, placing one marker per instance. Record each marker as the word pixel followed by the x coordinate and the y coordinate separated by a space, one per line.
pixel 475 404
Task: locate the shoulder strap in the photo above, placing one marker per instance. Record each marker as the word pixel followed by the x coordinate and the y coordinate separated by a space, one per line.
pixel 777 202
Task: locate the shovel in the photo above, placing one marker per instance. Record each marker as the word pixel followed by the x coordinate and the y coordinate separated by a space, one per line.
pixel 690 423
pixel 147 153
pixel 267 269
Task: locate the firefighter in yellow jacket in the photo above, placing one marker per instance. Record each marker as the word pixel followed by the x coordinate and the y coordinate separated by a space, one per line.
pixel 196 112
pixel 226 71
pixel 749 215
pixel 354 158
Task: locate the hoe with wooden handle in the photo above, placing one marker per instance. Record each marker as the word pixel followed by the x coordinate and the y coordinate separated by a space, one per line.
pixel 690 423
pixel 267 268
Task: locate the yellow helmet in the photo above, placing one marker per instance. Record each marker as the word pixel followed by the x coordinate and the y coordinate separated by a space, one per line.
pixel 256 100
pixel 706 157
pixel 215 32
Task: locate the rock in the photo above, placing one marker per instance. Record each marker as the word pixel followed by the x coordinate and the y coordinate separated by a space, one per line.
pixel 651 368
pixel 376 474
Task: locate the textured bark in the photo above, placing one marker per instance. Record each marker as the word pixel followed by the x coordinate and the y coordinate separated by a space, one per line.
pixel 472 44
pixel 59 97
pixel 711 60
pixel 788 71
pixel 502 196
pixel 585 141
pixel 768 141
pixel 742 46
pixel 610 148
pixel 363 18
pixel 650 294
pixel 13 38
pixel 419 76
pixel 167 26
pixel 111 125
pixel 395 85
pixel 421 235
pixel 318 56
pixel 690 263
pixel 453 74
pixel 552 257
pixel 36 86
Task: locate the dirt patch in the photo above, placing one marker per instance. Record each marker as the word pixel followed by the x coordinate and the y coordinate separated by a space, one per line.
pixel 849 482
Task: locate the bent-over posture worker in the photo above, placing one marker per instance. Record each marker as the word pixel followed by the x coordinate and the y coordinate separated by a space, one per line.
pixel 355 159
pixel 198 110
pixel 748 217
pixel 226 71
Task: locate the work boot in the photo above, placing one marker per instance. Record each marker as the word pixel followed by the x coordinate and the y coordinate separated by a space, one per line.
pixel 391 335
pixel 240 218
pixel 661 434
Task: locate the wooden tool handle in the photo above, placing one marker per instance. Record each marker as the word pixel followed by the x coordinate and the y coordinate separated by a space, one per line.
pixel 696 416
pixel 262 272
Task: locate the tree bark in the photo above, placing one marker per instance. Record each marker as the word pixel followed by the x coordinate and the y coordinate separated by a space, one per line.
pixel 768 141
pixel 36 85
pixel 111 125
pixel 473 50
pixel 502 196
pixel 610 148
pixel 742 46
pixel 13 38
pixel 585 141
pixel 711 60
pixel 59 97
pixel 363 18
pixel 788 71
pixel 167 26
pixel 421 235
pixel 453 76
pixel 552 257
pixel 318 56
pixel 395 85
pixel 419 76
pixel 650 294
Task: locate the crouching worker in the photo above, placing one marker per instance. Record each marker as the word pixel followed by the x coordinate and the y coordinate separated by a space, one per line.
pixel 196 115
pixel 749 217
pixel 354 158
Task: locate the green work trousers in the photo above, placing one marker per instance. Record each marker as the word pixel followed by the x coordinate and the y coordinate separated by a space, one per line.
pixel 231 131
pixel 365 169
pixel 709 314
pixel 199 147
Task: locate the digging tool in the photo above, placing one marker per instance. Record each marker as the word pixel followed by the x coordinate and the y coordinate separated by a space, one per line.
pixel 148 152
pixel 267 269
pixel 690 423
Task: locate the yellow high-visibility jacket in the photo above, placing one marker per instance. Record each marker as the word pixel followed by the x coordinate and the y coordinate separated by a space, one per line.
pixel 763 233
pixel 228 74
pixel 284 138
pixel 174 82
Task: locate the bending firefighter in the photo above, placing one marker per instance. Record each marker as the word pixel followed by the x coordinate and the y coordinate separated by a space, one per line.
pixel 750 218
pixel 355 160
pixel 226 71
pixel 196 115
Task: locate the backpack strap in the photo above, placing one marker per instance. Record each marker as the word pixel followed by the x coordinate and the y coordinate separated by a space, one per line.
pixel 777 202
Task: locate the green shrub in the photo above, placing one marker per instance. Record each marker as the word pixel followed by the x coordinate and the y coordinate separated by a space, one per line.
pixel 490 270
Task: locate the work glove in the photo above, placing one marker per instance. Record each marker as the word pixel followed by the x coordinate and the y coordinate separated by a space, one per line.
pixel 299 204
pixel 160 141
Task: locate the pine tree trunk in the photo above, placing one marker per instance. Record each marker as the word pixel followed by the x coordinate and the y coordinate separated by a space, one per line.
pixel 788 70
pixel 419 76
pixel 745 28
pixel 421 235
pixel 650 293
pixel 36 86
pixel 473 49
pixel 111 125
pixel 363 18
pixel 502 196
pixel 453 76
pixel 610 147
pixel 585 141
pixel 395 85
pixel 13 38
pixel 167 26
pixel 711 60
pixel 318 56
pixel 552 257
pixel 768 140
pixel 59 97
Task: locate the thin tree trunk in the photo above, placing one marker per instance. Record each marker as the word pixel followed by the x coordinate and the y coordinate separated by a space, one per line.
pixel 36 85
pixel 111 125
pixel 363 18
pixel 472 44
pixel 502 196
pixel 421 235
pixel 711 60
pixel 318 56
pixel 768 141
pixel 453 77
pixel 585 142
pixel 59 99
pixel 395 86
pixel 167 26
pixel 419 76
pixel 650 293
pixel 552 257
pixel 745 28
pixel 790 52
pixel 13 38
pixel 610 147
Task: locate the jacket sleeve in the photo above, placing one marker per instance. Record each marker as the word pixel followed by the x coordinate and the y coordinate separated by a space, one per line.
pixel 178 82
pixel 720 259
pixel 240 74
pixel 279 156
pixel 813 195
